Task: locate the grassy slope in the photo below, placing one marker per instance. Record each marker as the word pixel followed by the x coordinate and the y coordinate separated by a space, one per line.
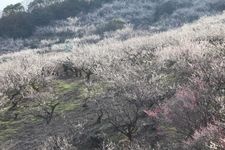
pixel 69 94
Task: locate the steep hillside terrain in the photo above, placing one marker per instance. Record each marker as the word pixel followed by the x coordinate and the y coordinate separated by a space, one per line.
pixel 130 75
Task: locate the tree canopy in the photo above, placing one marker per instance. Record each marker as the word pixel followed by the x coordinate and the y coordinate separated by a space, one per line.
pixel 13 9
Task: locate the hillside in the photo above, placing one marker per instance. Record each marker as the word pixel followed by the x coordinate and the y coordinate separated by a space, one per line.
pixel 146 16
pixel 129 75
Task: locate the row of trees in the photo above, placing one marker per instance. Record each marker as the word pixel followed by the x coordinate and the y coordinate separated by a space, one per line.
pixel 13 9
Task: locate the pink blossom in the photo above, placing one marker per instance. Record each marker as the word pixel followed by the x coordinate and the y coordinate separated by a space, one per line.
pixel 209 130
pixel 153 113
pixel 222 142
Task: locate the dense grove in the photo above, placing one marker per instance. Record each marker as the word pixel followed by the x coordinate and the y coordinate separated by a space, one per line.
pixel 111 75
pixel 159 91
